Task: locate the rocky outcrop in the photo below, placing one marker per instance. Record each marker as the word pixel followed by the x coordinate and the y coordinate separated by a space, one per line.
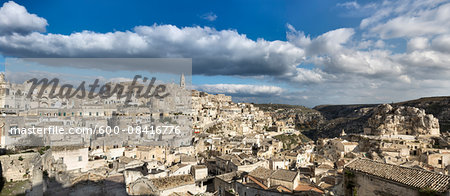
pixel 351 118
pixel 438 106
pixel 403 120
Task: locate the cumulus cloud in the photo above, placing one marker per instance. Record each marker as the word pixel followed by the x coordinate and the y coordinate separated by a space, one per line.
pixel 417 43
pixel 325 43
pixel 442 43
pixel 15 18
pixel 332 54
pixel 224 52
pixel 339 66
pixel 242 90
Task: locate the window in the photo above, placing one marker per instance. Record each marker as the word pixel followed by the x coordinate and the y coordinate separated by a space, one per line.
pixel 439 161
pixel 80 158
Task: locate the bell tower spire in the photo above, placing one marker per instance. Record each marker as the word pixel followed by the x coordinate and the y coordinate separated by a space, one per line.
pixel 182 82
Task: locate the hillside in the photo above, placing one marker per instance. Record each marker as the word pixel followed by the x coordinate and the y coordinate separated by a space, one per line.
pixel 354 118
pixel 438 106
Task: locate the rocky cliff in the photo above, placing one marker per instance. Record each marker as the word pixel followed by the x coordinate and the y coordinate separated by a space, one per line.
pixel 405 120
pixel 438 106
pixel 354 118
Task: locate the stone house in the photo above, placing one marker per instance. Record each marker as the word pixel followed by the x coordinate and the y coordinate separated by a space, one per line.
pixel 18 167
pixel 75 158
pixel 199 172
pixel 266 178
pixel 437 158
pixel 179 169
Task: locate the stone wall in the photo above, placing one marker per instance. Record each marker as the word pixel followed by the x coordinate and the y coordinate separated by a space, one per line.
pixel 18 167
pixel 374 186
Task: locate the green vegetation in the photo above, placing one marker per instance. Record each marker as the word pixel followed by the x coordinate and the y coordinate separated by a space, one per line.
pixel 291 140
pixel 43 149
pixel 15 188
pixel 308 125
pixel 214 129
pixel 351 186
pixel 281 107
pixel 427 192
pixel 355 192
pixel 349 174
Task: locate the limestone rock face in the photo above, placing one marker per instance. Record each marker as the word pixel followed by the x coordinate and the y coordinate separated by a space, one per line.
pixel 402 120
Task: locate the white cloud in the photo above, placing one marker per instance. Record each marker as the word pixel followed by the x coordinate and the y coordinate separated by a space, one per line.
pixel 407 18
pixel 349 5
pixel 355 9
pixel 325 43
pixel 302 75
pixel 240 90
pixel 332 53
pixel 15 18
pixel 223 52
pixel 418 43
pixel 330 41
pixel 336 67
pixel 441 43
pixel 210 16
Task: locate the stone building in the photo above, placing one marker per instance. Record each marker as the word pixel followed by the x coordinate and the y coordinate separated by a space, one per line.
pixel 18 167
pixel 266 178
pixel 438 158
pixel 199 172
pixel 75 158
pixel 225 184
pixel 242 162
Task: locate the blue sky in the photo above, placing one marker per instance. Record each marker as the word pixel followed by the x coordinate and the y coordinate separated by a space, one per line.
pixel 256 18
pixel 296 52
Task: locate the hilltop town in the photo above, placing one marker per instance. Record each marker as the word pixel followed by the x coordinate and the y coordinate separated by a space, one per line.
pixel 225 148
